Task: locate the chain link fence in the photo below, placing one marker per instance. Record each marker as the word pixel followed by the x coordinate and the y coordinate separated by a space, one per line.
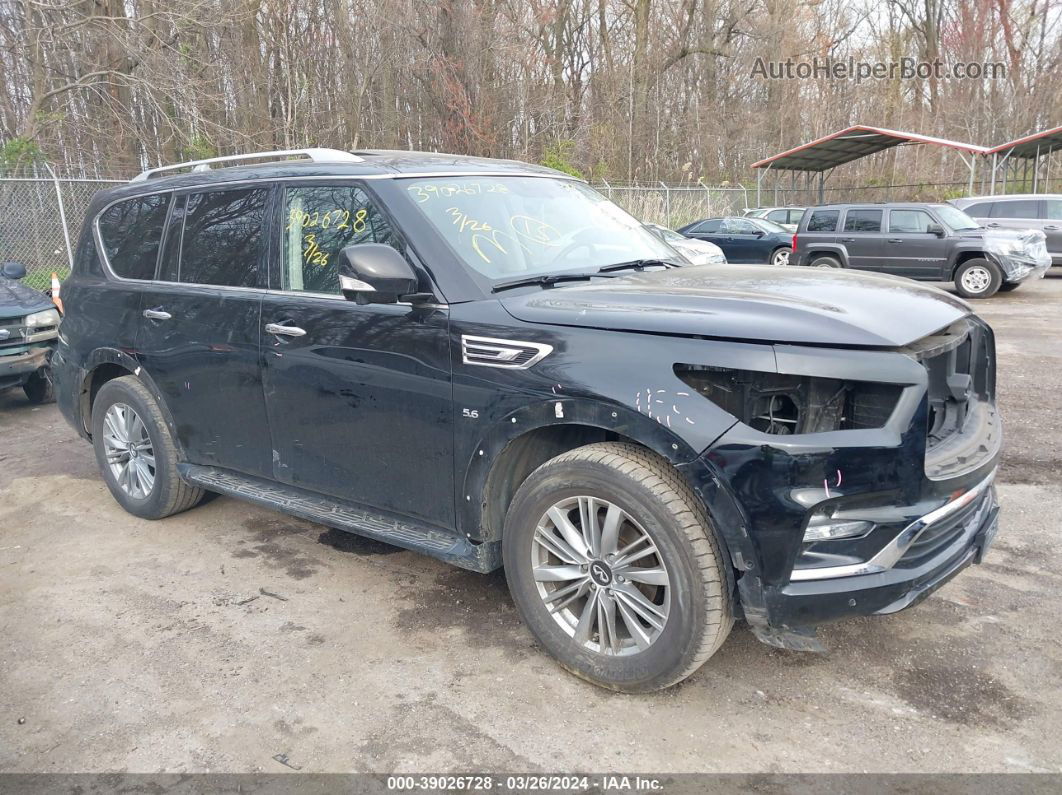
pixel 40 220
pixel 677 205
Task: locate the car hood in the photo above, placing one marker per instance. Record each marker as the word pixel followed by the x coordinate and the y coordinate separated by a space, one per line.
pixel 17 300
pixel 813 306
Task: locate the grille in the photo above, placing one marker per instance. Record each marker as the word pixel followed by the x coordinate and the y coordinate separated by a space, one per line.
pixel 939 535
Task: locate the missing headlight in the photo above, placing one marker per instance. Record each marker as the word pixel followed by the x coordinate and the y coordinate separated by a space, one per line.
pixel 781 404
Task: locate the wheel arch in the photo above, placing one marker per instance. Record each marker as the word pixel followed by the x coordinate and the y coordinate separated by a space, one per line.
pixel 964 256
pixel 522 441
pixel 828 250
pixel 106 364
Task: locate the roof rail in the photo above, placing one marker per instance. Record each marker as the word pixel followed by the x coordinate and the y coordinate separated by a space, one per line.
pixel 316 155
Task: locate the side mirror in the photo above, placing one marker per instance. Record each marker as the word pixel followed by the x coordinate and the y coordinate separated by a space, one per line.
pixel 935 229
pixel 372 273
pixel 12 270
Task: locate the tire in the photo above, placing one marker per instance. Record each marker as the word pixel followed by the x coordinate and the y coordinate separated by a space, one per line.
pixel 39 388
pixel 780 256
pixel 655 503
pixel 978 278
pixel 1009 287
pixel 167 494
pixel 822 261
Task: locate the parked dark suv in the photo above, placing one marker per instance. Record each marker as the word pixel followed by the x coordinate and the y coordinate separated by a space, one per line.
pixel 488 362
pixel 29 325
pixel 932 242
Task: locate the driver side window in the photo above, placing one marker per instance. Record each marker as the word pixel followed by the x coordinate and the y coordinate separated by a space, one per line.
pixel 319 222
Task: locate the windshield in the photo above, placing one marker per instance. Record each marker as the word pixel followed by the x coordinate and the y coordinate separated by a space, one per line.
pixel 506 227
pixel 955 218
pixel 769 226
pixel 667 235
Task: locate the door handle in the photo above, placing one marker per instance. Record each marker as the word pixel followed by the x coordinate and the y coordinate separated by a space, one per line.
pixel 287 331
pixel 1051 228
pixel 848 240
pixel 895 240
pixel 992 224
pixel 156 314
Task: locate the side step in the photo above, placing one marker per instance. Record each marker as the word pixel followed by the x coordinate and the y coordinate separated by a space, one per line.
pixel 401 532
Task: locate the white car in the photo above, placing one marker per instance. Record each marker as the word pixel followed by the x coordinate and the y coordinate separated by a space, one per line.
pixel 789 217
pixel 698 252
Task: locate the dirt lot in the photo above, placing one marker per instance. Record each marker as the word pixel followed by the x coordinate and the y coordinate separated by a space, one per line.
pixel 128 645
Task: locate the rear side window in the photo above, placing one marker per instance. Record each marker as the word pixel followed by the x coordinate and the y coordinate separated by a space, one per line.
pixel 222 238
pixel 131 232
pixel 823 221
pixel 980 210
pixel 778 216
pixel 1053 209
pixel 708 226
pixel 862 221
pixel 910 222
pixel 319 222
pixel 1017 209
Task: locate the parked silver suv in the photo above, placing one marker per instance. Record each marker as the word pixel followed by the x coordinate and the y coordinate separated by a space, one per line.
pixel 1041 211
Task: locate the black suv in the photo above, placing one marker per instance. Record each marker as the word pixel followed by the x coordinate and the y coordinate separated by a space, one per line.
pixel 931 242
pixel 488 362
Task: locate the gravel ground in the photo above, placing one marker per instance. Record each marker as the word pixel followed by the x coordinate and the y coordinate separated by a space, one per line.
pixel 227 636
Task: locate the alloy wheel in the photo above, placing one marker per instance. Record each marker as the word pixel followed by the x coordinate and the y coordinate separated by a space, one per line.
pixel 600 576
pixel 780 257
pixel 130 454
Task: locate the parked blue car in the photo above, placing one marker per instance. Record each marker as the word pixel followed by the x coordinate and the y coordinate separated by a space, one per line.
pixel 744 239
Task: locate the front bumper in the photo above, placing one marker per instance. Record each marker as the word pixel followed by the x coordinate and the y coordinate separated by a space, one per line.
pixel 16 367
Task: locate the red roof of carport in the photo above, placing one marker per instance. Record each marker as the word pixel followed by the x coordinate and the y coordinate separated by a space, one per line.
pixel 1041 143
pixel 851 144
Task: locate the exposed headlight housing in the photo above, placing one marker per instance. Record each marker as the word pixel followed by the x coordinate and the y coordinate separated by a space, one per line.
pixel 42 319
pixel 781 404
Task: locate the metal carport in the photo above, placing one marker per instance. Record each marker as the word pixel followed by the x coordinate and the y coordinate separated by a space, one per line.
pixel 1030 150
pixel 824 154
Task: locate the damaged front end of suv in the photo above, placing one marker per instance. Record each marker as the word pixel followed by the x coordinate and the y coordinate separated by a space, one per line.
pixel 859 480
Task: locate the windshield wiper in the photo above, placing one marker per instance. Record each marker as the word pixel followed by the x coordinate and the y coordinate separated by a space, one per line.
pixel 636 264
pixel 546 279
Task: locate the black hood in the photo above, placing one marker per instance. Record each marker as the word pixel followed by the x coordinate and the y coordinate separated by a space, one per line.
pixel 17 300
pixel 813 306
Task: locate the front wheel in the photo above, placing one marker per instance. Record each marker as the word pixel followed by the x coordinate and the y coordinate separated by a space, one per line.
pixel 978 278
pixel 615 568
pixel 781 256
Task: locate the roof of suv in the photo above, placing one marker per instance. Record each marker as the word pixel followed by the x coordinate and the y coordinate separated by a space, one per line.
pixel 838 205
pixel 364 163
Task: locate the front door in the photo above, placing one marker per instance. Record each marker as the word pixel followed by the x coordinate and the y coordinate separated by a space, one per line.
pixel 199 333
pixel 745 241
pixel 359 397
pixel 910 248
pixel 1052 214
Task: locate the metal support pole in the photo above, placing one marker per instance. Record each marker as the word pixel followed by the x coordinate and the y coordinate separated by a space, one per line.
pixel 759 183
pixel 993 191
pixel 607 188
pixel 62 217
pixel 1036 171
pixel 667 205
pixel 822 187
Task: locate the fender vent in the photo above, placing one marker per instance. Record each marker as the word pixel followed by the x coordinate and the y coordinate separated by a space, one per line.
pixel 512 354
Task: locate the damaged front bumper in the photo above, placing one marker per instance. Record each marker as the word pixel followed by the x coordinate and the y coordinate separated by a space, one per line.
pixel 16 367
pixel 1020 255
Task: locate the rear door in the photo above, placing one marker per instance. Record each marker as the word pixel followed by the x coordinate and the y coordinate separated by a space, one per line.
pixel 359 397
pixel 199 332
pixel 1052 215
pixel 861 236
pixel 910 248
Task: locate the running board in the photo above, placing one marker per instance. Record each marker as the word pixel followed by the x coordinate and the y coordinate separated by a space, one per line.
pixel 382 526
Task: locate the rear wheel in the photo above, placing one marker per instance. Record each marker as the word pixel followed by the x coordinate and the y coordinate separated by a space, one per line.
pixel 780 256
pixel 822 261
pixel 615 568
pixel 978 278
pixel 136 453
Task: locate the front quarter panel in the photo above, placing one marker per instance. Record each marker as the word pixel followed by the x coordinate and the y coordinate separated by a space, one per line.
pixel 620 382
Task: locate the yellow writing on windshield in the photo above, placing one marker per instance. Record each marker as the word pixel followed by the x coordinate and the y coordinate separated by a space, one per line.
pixel 427 191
